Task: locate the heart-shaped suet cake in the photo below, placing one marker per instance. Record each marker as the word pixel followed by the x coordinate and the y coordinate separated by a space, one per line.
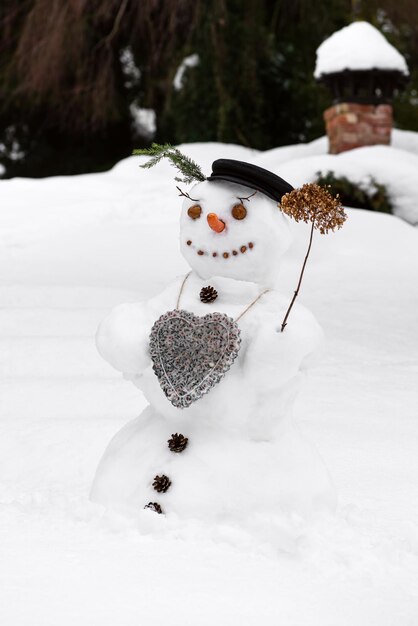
pixel 191 354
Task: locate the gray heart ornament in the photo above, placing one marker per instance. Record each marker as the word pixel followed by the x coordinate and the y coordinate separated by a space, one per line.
pixel 192 354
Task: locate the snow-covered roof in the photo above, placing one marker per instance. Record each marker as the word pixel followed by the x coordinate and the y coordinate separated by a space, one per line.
pixel 359 46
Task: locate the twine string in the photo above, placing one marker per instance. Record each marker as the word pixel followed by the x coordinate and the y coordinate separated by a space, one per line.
pixel 181 290
pixel 239 316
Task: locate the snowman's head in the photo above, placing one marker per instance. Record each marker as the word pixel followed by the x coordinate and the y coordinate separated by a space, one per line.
pixel 231 229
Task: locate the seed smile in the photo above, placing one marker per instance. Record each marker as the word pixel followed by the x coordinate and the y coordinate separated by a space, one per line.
pixel 225 255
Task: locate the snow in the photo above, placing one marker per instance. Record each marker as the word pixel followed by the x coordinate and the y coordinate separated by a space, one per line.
pixel 192 60
pixel 405 140
pixel 393 166
pixel 71 249
pixel 11 149
pixel 402 139
pixel 130 70
pixel 358 46
pixel 388 166
pixel 144 121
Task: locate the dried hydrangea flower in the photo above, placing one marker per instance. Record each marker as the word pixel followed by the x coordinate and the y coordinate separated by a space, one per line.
pixel 315 204
pixel 312 203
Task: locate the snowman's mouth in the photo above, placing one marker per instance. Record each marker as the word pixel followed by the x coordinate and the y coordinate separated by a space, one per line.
pixel 222 254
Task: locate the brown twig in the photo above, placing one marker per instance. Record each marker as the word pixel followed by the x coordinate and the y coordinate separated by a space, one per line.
pixel 186 195
pixel 247 197
pixel 295 295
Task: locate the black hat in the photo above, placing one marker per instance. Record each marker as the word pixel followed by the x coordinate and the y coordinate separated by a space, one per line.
pixel 250 176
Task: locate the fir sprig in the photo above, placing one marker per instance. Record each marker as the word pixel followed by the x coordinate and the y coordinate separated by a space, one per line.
pixel 185 165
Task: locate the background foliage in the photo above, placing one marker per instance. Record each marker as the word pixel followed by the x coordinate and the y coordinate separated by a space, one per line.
pixel 369 195
pixel 73 73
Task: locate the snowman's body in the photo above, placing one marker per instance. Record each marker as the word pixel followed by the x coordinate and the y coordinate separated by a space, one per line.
pixel 244 455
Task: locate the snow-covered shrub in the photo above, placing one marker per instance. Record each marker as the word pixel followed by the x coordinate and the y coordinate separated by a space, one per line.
pixel 368 194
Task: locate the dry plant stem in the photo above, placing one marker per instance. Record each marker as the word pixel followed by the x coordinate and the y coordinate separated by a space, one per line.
pixel 295 295
pixel 185 194
pixel 247 198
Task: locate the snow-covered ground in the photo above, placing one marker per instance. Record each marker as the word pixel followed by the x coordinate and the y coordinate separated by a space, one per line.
pixel 71 248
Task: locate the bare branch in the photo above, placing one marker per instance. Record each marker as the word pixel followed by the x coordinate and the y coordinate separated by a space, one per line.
pixel 186 195
pixel 247 197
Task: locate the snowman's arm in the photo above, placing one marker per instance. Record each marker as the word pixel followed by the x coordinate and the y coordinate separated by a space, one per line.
pixel 122 338
pixel 278 356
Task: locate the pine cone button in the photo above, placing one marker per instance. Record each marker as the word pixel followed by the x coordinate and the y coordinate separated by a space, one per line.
pixel 161 483
pixel 178 442
pixel 154 506
pixel 208 294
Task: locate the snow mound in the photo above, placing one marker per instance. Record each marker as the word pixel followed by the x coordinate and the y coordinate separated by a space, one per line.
pixel 393 168
pixel 71 249
pixel 359 46
pixel 282 154
pixel 405 140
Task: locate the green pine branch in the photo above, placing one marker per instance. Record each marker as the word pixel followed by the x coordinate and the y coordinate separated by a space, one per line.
pixel 184 164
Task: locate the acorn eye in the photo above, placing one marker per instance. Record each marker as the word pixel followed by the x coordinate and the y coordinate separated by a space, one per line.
pixel 194 212
pixel 239 211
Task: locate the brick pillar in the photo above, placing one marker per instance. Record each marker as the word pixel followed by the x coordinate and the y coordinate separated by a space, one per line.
pixel 354 125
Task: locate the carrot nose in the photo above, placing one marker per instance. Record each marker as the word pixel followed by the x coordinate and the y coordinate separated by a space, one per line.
pixel 215 223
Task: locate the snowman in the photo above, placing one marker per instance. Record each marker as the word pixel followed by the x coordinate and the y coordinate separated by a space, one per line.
pixel 217 441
